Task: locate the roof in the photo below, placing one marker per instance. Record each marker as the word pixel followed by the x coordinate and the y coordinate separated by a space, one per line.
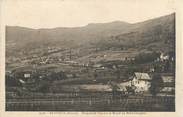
pixel 21 81
pixel 168 79
pixel 142 76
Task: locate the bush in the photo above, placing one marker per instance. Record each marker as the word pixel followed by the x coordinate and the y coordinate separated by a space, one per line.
pixel 12 82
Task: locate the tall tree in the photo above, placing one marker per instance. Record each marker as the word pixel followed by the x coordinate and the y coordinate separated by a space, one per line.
pixel 156 84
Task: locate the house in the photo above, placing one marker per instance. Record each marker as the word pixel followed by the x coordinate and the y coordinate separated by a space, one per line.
pixel 27 75
pixel 129 58
pixel 97 65
pixel 151 69
pixel 168 79
pixel 168 83
pixel 142 81
pixel 123 58
pixel 70 75
pixel 164 57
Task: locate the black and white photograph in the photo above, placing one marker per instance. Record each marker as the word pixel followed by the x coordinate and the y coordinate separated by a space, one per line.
pixel 96 56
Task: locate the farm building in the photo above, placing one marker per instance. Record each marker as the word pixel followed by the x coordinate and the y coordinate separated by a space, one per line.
pixel 141 81
pixel 168 83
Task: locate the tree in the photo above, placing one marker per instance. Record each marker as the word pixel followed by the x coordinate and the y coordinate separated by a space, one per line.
pixel 115 89
pixel 11 81
pixel 118 73
pixel 42 86
pixel 95 74
pixel 156 84
pixel 146 57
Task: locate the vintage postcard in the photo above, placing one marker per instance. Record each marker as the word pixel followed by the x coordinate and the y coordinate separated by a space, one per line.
pixel 91 58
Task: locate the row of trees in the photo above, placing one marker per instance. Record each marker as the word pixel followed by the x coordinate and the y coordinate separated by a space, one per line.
pixel 146 57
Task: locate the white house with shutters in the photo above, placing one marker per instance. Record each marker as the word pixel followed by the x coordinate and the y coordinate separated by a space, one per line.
pixel 142 81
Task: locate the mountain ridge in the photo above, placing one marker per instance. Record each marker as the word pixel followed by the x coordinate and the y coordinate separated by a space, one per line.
pixel 116 21
pixel 116 33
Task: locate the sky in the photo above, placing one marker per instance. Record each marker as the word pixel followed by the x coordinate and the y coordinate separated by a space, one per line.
pixel 75 13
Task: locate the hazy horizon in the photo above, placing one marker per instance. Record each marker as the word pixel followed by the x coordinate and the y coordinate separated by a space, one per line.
pixel 72 13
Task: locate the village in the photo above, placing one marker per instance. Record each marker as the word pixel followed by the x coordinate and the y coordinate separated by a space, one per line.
pixel 130 82
pixel 147 74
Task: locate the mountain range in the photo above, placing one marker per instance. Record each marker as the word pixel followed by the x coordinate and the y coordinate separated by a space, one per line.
pixel 156 34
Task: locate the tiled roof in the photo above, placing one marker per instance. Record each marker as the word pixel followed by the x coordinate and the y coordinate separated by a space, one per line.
pixel 168 79
pixel 142 76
